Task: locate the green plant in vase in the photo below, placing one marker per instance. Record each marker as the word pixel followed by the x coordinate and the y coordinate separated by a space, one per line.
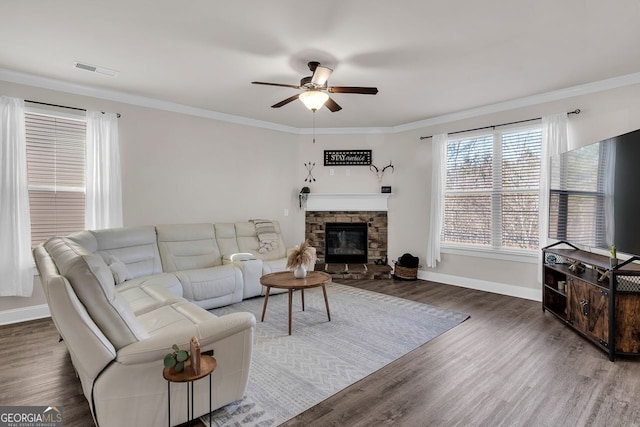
pixel 613 259
pixel 176 359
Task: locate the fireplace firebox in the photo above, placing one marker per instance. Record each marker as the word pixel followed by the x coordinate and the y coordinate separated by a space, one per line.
pixel 346 242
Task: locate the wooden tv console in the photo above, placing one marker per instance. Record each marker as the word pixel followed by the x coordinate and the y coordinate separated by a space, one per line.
pixel 600 301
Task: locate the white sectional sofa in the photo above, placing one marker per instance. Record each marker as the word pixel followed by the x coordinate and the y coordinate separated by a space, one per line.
pixel 121 297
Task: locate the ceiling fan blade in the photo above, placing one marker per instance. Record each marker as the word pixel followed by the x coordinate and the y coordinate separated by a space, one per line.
pixel 332 105
pixel 353 89
pixel 286 101
pixel 275 84
pixel 321 75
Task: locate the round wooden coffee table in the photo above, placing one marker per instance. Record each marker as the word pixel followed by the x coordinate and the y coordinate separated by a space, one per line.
pixel 286 280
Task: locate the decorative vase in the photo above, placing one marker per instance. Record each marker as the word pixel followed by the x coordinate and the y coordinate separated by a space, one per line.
pixel 300 272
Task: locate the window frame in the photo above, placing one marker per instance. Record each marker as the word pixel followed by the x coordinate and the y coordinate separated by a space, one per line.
pixel 526 255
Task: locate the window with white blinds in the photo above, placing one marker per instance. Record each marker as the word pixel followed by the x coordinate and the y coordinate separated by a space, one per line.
pixel 492 190
pixel 56 174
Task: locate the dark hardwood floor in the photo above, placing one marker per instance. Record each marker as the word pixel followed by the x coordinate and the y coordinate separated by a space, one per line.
pixel 509 364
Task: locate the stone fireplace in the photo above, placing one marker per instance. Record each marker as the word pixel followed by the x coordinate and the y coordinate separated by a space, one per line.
pixel 375 224
pixel 349 232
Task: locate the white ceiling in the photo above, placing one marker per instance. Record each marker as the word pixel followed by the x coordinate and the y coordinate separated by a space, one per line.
pixel 428 58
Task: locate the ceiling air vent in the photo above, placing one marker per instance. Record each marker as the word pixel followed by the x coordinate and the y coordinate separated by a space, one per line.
pixel 95 69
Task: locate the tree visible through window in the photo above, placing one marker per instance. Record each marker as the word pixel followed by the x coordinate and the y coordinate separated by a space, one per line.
pixel 56 171
pixel 492 190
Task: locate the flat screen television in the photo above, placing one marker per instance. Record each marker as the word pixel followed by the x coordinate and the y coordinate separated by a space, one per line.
pixel 594 198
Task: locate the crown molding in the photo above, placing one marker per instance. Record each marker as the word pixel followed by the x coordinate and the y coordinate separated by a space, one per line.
pixel 527 101
pixel 111 95
pixel 141 101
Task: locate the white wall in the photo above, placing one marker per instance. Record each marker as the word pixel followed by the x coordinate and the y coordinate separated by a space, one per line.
pixel 181 168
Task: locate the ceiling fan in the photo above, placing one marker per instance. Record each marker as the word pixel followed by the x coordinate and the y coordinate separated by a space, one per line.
pixel 315 89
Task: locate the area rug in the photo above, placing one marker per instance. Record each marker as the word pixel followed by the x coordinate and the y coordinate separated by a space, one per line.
pixel 290 374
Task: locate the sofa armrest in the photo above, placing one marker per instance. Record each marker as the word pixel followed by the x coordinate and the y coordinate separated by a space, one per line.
pixel 207 332
pixel 251 268
pixel 240 256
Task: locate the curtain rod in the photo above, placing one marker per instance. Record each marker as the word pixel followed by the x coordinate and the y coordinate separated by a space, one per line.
pixel 118 115
pixel 576 111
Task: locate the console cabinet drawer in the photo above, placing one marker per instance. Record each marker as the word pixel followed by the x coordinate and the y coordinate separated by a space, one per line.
pixel 588 310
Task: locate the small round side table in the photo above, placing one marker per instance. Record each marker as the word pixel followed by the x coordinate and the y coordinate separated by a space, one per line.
pixel 207 365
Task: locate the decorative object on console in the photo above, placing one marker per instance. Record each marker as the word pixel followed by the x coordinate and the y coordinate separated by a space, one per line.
pixel 299 258
pixel 576 267
pixel 379 173
pixel 613 260
pixel 386 189
pixel 309 177
pixel 176 359
pixel 550 258
pixel 302 197
pixel 603 274
pixel 561 285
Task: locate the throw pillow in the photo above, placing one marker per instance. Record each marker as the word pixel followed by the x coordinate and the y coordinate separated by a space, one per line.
pixel 119 270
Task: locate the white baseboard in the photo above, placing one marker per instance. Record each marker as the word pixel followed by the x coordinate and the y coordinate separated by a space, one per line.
pixel 24 314
pixel 482 285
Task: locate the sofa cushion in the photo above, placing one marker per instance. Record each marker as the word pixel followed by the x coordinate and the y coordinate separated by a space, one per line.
pixel 187 247
pixel 168 281
pixel 174 317
pixel 119 269
pixel 136 247
pixel 93 283
pixel 151 292
pixel 226 238
pixel 207 283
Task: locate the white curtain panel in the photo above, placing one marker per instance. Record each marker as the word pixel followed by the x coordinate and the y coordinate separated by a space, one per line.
pixel 104 183
pixel 554 141
pixel 438 180
pixel 16 263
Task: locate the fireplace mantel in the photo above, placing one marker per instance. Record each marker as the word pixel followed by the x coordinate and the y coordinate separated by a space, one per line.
pixel 347 202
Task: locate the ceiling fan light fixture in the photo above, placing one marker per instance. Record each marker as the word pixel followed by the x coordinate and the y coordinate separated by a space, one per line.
pixel 313 99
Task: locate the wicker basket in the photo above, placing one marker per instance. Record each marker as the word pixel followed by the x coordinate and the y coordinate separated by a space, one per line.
pixel 405 273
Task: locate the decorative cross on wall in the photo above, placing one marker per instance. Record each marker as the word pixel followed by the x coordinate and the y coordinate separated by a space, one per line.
pixel 309 167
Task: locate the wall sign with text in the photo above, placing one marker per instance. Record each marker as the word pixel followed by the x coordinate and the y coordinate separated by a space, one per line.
pixel 347 157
